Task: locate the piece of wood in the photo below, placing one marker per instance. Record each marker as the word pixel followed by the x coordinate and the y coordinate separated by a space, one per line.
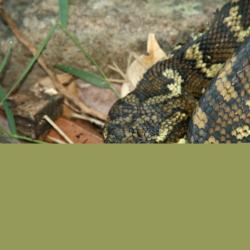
pixel 78 132
pixel 30 107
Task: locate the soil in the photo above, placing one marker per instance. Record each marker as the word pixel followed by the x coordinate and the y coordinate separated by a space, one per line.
pixel 108 29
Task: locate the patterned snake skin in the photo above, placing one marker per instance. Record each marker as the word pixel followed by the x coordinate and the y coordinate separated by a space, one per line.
pixel 202 92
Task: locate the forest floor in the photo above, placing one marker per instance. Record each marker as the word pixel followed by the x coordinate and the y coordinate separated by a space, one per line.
pixel 111 31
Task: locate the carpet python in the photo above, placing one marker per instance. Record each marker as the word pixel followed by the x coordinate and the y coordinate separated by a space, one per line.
pixel 201 92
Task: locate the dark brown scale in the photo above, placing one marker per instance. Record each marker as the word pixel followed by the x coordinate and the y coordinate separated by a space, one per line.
pixel 231 115
pixel 245 12
pixel 168 110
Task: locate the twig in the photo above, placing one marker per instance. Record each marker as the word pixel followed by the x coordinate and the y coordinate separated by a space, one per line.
pixel 24 40
pixel 130 60
pixel 89 119
pixel 116 68
pixel 65 137
pixel 115 80
pixel 55 140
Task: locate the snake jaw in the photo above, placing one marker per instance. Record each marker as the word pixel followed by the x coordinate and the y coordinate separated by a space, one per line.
pixel 149 123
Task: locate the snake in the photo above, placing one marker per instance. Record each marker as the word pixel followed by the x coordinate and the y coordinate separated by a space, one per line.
pixel 200 93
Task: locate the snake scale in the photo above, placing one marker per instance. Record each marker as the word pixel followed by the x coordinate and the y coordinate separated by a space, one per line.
pixel 201 92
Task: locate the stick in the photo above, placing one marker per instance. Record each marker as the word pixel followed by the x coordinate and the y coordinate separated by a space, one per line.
pixel 89 119
pixel 59 131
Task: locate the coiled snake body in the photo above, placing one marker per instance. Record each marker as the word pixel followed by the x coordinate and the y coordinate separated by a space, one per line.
pixel 202 92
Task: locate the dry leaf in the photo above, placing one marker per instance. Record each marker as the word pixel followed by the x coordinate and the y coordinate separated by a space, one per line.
pixel 96 98
pixel 142 63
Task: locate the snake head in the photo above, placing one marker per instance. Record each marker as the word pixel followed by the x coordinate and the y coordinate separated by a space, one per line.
pixel 155 120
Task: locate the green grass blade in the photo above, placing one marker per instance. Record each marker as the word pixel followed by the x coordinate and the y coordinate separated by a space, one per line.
pixel 6 106
pixel 5 133
pixel 27 139
pixel 63 12
pixel 40 49
pixel 6 59
pixel 77 43
pixel 8 112
pixel 89 77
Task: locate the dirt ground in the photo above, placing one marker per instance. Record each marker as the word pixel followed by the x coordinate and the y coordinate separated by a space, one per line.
pixel 109 29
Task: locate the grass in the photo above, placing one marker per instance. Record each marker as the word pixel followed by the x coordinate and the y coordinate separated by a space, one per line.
pixel 31 63
pixel 64 12
pixel 87 76
pixel 5 104
pixel 4 96
pixel 98 80
pixel 92 78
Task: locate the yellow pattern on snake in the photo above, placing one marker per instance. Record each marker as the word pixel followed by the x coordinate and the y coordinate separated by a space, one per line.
pixel 202 92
